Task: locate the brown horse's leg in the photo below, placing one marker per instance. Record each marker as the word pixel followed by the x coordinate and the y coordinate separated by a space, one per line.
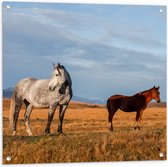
pixel 136 120
pixel 140 118
pixel 112 107
pixel 112 114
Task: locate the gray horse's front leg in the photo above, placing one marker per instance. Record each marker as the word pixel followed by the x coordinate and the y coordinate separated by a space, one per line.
pixel 61 117
pixel 50 118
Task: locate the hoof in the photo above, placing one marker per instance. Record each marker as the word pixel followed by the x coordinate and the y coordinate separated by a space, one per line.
pixel 14 133
pixel 111 129
pixel 137 128
pixel 60 132
pixel 30 134
pixel 47 133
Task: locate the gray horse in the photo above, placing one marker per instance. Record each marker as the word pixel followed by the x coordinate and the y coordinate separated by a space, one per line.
pixel 50 93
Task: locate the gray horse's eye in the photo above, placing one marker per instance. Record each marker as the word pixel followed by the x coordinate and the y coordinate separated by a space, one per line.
pixel 56 74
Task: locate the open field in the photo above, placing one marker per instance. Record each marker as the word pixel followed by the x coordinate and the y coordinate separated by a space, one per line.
pixel 86 136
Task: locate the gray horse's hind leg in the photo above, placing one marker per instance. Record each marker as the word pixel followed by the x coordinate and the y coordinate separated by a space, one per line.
pixel 50 118
pixel 61 116
pixel 15 116
pixel 28 111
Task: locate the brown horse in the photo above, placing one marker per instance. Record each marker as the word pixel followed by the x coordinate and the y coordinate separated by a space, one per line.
pixel 137 102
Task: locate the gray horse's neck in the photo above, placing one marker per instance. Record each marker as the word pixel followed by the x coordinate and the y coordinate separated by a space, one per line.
pixel 64 87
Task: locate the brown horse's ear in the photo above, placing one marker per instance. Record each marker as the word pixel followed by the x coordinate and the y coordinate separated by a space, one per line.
pixel 54 66
pixel 156 87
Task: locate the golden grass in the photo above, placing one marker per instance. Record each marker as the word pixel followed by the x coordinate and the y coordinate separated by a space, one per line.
pixel 87 137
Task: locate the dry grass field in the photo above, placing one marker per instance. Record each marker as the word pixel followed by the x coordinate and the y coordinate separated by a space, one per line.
pixel 86 137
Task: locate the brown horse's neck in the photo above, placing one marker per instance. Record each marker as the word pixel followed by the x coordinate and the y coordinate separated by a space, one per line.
pixel 148 96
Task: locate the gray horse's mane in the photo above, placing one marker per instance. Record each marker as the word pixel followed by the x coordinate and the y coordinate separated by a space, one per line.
pixel 68 81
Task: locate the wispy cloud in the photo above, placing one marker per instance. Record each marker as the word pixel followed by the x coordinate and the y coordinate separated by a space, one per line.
pixel 99 46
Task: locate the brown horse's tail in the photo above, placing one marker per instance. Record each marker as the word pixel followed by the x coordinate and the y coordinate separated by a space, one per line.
pixel 12 110
pixel 109 110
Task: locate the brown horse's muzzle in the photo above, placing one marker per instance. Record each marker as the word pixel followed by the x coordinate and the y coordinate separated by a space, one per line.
pixel 158 101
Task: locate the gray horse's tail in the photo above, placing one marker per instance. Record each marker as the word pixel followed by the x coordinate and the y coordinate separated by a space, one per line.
pixel 11 113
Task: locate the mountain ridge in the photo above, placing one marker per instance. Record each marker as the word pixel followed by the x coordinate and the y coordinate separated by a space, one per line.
pixel 7 93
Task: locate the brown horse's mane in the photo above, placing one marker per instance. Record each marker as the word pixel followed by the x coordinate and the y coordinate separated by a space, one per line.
pixel 141 93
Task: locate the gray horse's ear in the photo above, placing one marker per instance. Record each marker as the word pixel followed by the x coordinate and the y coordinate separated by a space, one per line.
pixel 54 66
pixel 59 66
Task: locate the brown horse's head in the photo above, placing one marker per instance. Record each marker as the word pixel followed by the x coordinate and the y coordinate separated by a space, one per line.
pixel 156 94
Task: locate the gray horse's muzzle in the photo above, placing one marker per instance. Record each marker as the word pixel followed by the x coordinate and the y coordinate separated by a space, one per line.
pixel 52 88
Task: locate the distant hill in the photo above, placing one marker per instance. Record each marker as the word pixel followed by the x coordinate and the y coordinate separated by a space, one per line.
pixel 161 104
pixel 91 100
pixel 7 93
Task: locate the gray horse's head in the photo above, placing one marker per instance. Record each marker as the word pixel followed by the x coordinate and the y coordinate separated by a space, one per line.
pixel 58 77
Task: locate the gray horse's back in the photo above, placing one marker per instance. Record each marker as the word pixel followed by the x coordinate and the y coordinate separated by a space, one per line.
pixel 33 90
pixel 24 85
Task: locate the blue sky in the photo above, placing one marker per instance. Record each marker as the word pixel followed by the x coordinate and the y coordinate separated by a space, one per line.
pixel 107 49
